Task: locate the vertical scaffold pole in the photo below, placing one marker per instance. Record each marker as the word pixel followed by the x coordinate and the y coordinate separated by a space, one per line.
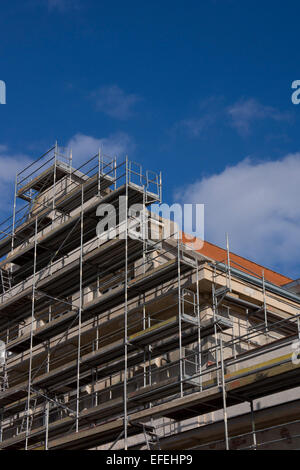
pixel 179 316
pixel 70 165
pixel 99 171
pixel 160 186
pixel 1 424
pixel 125 309
pixel 47 410
pixel 54 181
pixel 248 328
pixel 264 299
pixel 79 314
pixel 224 393
pixel 215 307
pixel 31 336
pixel 199 326
pixel 253 425
pixel 144 271
pixel 14 215
pixel 228 279
pixel 115 172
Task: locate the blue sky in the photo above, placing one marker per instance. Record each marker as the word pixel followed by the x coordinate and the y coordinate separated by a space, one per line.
pixel 200 90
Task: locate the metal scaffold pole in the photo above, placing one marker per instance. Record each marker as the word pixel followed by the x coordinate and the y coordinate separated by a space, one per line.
pixel 1 426
pixel 228 277
pixel 70 166
pixel 224 393
pixel 31 337
pixel 47 405
pixel 179 316
pixel 54 180
pixel 253 425
pixel 79 314
pixel 14 215
pixel 199 326
pixel 264 300
pixel 144 271
pixel 126 312
pixel 214 305
pixel 99 172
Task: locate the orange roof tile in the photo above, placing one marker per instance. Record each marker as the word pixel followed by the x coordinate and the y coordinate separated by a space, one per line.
pixel 219 254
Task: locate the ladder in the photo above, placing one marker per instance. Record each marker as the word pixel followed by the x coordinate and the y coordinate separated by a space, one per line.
pixel 151 437
pixel 5 280
pixel 29 412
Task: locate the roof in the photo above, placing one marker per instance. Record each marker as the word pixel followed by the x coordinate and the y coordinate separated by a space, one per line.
pixel 219 254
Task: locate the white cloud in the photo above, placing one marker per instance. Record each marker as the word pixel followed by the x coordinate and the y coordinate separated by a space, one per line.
pixel 244 113
pixel 114 102
pixel 10 164
pixel 196 126
pixel 85 146
pixel 210 110
pixel 258 205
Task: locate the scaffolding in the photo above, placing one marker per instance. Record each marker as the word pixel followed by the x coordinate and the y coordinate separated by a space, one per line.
pixel 106 333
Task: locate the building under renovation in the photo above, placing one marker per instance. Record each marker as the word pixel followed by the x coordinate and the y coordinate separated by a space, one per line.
pixel 126 337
